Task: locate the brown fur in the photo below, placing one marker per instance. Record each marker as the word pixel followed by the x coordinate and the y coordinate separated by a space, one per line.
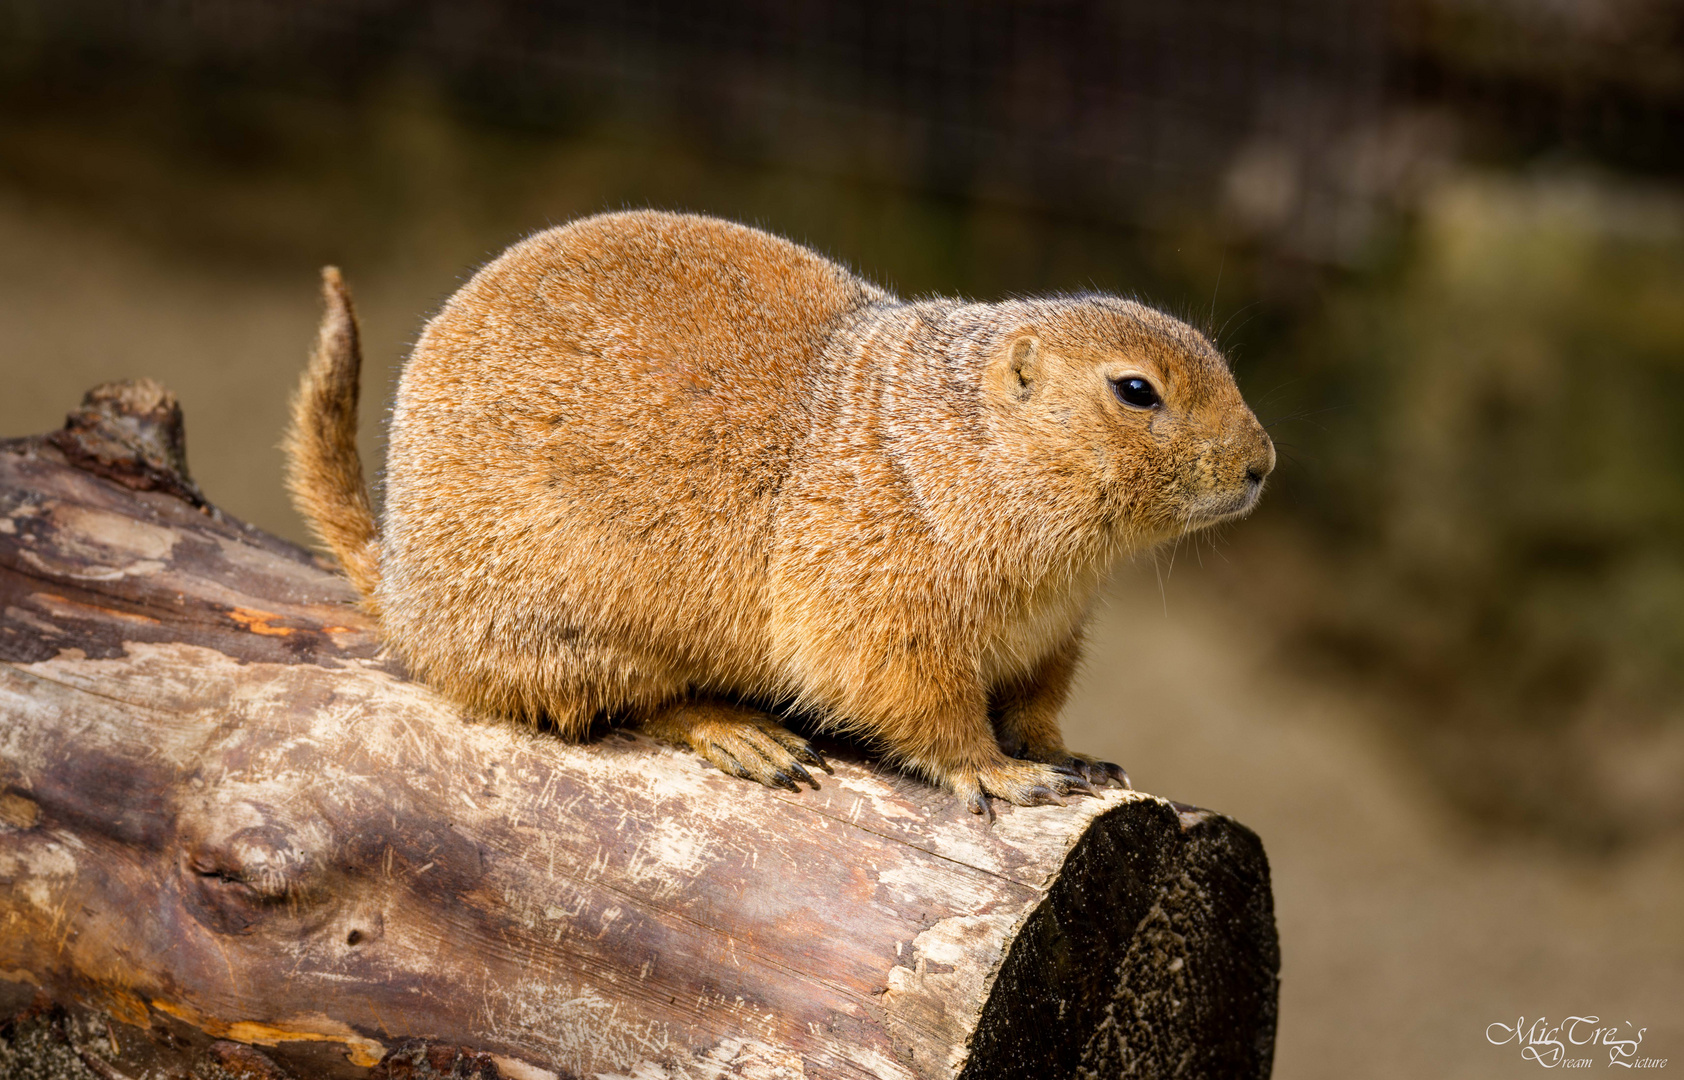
pixel 324 473
pixel 652 465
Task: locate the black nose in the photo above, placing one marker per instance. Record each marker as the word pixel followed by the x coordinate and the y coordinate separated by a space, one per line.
pixel 1254 475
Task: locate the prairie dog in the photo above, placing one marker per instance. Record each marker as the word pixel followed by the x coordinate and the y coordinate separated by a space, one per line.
pixel 671 469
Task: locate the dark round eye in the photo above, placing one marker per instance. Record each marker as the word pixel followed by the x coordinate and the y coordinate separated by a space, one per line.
pixel 1137 392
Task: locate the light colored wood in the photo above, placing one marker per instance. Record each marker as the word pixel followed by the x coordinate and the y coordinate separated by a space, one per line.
pixel 225 816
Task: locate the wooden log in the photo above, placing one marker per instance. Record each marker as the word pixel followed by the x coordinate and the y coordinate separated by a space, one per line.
pixel 233 836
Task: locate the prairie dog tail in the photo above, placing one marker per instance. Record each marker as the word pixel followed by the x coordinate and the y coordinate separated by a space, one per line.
pixel 324 475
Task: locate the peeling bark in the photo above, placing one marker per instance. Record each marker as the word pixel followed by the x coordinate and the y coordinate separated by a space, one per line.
pixel 236 841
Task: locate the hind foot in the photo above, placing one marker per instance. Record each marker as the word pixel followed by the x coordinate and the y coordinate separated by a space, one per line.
pixel 739 741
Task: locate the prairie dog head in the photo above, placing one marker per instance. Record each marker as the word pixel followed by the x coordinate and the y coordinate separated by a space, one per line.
pixel 1128 410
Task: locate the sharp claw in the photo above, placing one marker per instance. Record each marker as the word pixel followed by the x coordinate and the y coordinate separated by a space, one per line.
pixel 783 780
pixel 795 770
pixel 728 764
pixel 1042 796
pixel 1069 780
pixel 813 757
pixel 1120 775
pixel 1082 787
pixel 978 803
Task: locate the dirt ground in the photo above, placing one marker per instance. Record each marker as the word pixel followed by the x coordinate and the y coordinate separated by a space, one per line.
pixel 1403 936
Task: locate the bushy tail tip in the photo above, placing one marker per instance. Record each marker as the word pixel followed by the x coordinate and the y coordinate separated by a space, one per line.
pixel 324 474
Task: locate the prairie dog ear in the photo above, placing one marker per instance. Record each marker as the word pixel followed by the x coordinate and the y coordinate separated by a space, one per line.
pixel 1015 372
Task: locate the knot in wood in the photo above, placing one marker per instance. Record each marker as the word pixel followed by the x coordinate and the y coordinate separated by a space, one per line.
pixel 242 866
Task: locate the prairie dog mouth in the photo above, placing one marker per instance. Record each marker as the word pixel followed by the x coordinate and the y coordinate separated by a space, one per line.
pixel 1218 506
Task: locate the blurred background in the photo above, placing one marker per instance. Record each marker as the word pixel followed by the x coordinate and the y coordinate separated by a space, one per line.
pixel 1441 671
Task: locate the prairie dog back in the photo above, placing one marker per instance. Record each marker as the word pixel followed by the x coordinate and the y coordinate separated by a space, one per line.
pixel 604 406
pixel 670 470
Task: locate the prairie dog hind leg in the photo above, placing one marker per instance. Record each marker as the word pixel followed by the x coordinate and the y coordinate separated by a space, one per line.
pixel 739 740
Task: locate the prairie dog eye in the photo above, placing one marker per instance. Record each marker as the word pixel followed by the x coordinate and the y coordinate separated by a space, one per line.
pixel 1134 391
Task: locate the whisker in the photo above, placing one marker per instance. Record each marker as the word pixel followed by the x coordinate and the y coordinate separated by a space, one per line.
pixel 1243 325
pixel 1236 313
pixel 1302 413
pixel 1269 395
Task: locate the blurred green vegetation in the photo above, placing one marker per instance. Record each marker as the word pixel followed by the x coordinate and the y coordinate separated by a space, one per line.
pixel 1502 494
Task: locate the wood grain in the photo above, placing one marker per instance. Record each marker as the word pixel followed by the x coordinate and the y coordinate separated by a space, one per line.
pixel 230 827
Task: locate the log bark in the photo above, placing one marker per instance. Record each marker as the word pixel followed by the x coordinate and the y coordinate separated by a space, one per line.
pixel 235 840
